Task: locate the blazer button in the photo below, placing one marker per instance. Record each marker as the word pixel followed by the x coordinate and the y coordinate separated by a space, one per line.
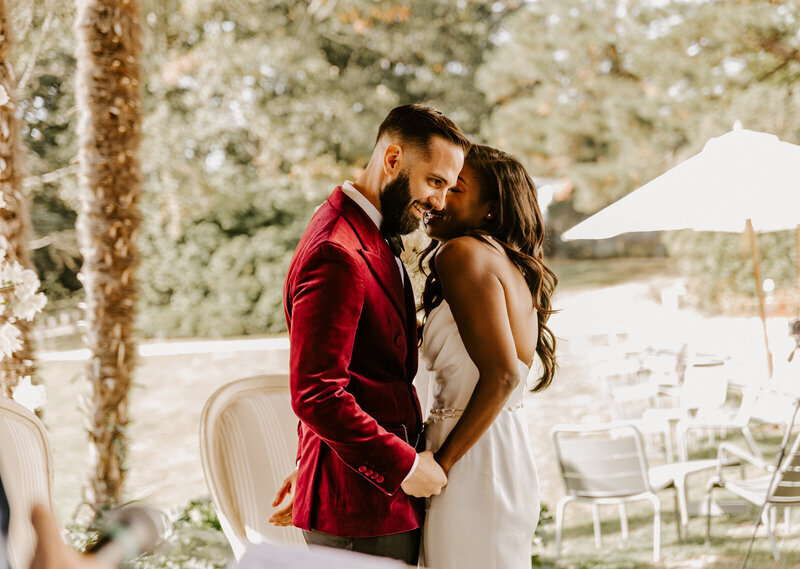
pixel 379 479
pixel 398 340
pixel 368 472
pixel 362 469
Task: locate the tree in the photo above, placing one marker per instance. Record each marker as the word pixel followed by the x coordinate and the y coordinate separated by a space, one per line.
pixel 109 106
pixel 612 93
pixel 240 153
pixel 45 106
pixel 14 216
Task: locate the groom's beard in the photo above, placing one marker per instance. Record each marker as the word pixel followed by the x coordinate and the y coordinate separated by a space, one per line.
pixel 398 217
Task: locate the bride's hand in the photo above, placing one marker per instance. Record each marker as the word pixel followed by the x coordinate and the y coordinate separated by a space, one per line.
pixel 283 517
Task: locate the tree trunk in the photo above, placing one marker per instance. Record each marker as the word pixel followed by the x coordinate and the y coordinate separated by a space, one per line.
pixel 108 34
pixel 14 217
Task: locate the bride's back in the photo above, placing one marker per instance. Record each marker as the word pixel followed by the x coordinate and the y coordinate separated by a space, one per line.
pixel 521 312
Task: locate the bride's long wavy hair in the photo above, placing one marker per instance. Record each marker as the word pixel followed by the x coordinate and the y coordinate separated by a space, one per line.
pixel 519 228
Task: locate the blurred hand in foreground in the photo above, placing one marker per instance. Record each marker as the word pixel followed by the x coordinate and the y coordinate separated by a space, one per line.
pixel 51 551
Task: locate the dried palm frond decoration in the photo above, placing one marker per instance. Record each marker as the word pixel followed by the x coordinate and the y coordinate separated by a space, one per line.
pixel 14 216
pixel 108 34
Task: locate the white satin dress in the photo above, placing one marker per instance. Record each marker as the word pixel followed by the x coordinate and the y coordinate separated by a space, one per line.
pixel 486 515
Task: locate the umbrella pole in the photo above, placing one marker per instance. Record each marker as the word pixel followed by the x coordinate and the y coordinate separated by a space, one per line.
pixel 797 236
pixel 757 273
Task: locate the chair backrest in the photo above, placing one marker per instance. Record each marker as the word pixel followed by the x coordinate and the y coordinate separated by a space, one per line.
pixel 772 407
pixel 622 371
pixel 601 461
pixel 786 488
pixel 26 466
pixel 705 387
pixel 620 380
pixel 662 368
pixel 248 443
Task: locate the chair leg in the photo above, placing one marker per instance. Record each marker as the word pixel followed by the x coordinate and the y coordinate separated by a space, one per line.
pixel 683 503
pixel 768 518
pixel 787 520
pixel 678 512
pixel 709 490
pixel 598 538
pixel 656 527
pixel 562 503
pixel 682 436
pixel 773 519
pixel 668 442
pixel 623 521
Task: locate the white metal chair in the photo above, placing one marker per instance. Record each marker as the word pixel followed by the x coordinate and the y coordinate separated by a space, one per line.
pixel 26 465
pixel 759 404
pixel 662 368
pixel 248 443
pixel 701 397
pixel 606 464
pixel 783 492
pixel 621 380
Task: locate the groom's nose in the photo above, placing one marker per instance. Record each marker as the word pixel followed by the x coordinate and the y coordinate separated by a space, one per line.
pixel 436 201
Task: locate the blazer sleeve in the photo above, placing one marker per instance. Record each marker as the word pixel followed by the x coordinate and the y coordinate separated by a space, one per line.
pixel 325 300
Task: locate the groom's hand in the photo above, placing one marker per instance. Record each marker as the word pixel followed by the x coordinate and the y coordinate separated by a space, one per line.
pixel 428 478
pixel 283 517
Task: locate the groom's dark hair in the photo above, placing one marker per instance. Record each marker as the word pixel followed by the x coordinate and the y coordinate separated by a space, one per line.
pixel 418 124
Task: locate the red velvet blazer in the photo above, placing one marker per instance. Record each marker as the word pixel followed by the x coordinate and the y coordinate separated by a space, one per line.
pixel 353 355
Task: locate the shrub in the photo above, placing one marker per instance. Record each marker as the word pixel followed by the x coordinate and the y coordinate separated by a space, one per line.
pixel 719 268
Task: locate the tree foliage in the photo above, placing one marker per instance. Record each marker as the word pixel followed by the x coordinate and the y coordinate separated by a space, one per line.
pixel 254 109
pixel 613 93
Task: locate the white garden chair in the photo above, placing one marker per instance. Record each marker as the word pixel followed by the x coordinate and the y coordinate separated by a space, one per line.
pixel 702 396
pixel 248 443
pixel 759 404
pixel 606 464
pixel 773 490
pixel 26 466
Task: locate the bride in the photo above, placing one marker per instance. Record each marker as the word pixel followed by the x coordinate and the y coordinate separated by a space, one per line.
pixel 486 304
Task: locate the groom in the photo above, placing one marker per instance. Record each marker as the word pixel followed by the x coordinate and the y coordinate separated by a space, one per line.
pixel 352 325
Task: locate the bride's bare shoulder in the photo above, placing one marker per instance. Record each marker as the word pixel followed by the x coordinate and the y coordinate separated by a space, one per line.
pixel 467 247
pixel 465 254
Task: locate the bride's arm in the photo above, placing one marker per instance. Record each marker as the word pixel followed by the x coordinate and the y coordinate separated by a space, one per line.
pixel 467 269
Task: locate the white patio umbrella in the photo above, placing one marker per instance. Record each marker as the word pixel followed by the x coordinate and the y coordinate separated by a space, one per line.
pixel 741 181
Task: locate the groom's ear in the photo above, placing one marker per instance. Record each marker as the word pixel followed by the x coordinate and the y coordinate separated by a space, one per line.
pixel 392 158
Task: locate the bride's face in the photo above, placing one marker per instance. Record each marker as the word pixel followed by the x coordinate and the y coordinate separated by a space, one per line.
pixel 465 209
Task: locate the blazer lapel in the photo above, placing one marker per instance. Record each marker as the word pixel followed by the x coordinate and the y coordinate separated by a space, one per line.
pixel 387 273
pixel 375 250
